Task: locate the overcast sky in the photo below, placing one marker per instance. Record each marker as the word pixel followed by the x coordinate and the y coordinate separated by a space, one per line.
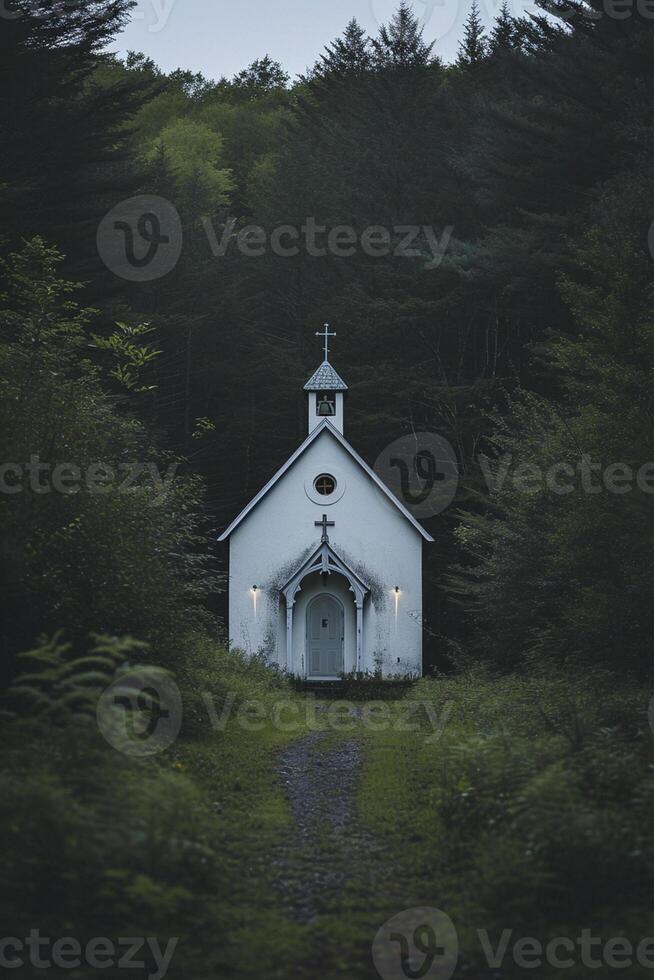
pixel 219 37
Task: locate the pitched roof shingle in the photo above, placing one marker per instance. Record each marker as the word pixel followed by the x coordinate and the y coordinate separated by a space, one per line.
pixel 325 379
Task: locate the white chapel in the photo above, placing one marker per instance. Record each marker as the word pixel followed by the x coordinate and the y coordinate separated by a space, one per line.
pixel 325 565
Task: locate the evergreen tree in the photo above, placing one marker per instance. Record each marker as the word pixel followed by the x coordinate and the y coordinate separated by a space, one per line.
pixel 63 135
pixel 400 44
pixel 348 55
pixel 564 557
pixel 79 558
pixel 503 36
pixel 472 49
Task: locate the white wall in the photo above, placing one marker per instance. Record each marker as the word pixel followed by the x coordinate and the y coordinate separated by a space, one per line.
pixel 371 535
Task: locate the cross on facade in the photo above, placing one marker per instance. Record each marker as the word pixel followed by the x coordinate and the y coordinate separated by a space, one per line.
pixel 324 524
pixel 326 334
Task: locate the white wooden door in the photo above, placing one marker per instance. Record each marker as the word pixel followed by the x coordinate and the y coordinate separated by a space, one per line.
pixel 325 637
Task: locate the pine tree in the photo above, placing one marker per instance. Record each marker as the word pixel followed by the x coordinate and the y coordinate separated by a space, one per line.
pixel 348 55
pixel 504 35
pixel 63 137
pixel 473 47
pixel 400 44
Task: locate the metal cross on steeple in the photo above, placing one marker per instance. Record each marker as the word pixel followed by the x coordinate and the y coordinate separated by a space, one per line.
pixel 324 524
pixel 326 335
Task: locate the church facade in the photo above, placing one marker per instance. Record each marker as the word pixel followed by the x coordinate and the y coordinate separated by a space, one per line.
pixel 325 566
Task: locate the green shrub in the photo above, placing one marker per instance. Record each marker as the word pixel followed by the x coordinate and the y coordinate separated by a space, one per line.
pixel 94 842
pixel 532 808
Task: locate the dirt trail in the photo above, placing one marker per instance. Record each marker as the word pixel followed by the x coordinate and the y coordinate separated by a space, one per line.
pixel 320 776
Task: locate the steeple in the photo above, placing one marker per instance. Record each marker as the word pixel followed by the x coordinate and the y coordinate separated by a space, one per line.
pixel 326 391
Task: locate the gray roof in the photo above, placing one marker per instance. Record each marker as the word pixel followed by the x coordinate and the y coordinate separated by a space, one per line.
pixel 325 379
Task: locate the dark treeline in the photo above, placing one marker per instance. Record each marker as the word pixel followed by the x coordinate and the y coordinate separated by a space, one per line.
pixel 522 325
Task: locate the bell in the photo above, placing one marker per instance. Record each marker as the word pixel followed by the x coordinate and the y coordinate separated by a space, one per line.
pixel 326 406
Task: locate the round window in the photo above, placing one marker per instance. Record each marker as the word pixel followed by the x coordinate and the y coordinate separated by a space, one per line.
pixel 324 484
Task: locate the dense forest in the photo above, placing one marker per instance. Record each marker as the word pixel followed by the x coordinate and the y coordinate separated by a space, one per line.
pixel 528 336
pixel 518 325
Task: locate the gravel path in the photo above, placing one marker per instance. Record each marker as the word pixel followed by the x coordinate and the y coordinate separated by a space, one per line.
pixel 320 779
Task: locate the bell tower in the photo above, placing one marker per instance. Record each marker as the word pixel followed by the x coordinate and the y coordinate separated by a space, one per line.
pixel 326 391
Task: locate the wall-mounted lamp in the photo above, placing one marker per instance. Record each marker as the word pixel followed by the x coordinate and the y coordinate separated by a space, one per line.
pixel 397 593
pixel 255 593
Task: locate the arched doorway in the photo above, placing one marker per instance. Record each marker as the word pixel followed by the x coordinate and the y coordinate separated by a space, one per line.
pixel 324 562
pixel 325 636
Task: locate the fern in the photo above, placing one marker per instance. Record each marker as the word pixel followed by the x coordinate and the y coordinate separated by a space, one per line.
pixel 59 685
